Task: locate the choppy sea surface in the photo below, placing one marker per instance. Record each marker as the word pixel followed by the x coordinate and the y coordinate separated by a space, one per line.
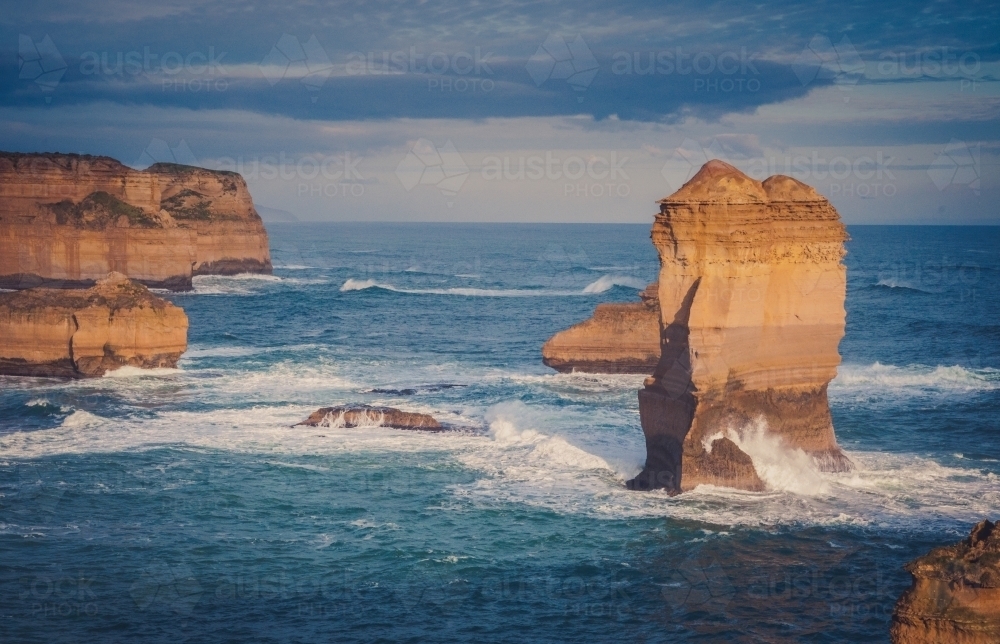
pixel 183 505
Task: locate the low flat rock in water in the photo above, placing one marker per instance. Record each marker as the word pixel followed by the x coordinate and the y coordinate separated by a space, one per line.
pixel 367 416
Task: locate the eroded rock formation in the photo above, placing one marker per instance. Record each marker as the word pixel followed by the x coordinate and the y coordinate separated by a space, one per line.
pixel 367 416
pixel 66 220
pixel 955 596
pixel 82 333
pixel 619 338
pixel 751 292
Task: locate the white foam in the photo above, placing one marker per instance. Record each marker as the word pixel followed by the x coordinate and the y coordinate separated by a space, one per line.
pixel 138 372
pixel 81 419
pixel 608 282
pixel 781 467
pixel 914 379
pixel 538 447
pixel 243 283
pixel 599 286
pixel 892 282
pixel 37 402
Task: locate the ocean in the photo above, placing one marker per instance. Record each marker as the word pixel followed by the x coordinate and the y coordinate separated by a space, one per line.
pixel 182 505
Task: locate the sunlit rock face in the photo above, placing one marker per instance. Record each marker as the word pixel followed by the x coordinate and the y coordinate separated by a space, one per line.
pixel 751 293
pixel 84 333
pixel 955 596
pixel 618 338
pixel 67 220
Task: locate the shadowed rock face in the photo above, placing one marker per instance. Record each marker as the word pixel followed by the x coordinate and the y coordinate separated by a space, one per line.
pixel 66 220
pixel 955 596
pixel 619 338
pixel 751 293
pixel 366 416
pixel 84 333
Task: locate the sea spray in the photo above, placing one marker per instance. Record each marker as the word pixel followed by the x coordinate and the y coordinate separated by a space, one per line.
pixel 781 467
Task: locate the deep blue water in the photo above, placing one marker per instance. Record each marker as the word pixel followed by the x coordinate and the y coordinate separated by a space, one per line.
pixel 182 505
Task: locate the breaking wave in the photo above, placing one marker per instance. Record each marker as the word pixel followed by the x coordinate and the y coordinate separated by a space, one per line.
pixel 914 378
pixel 601 285
pixel 894 283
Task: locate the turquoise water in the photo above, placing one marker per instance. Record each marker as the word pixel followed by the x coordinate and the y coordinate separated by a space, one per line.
pixel 182 505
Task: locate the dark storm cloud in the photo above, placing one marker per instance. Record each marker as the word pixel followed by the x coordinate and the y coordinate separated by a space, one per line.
pixel 466 60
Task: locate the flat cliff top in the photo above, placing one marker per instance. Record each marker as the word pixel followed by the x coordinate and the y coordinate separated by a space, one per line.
pixel 116 291
pixel 98 192
pixel 720 183
pixel 71 161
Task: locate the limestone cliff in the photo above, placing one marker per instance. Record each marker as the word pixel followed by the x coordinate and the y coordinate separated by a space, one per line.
pixel 751 292
pixel 66 220
pixel 619 338
pixel 955 596
pixel 80 333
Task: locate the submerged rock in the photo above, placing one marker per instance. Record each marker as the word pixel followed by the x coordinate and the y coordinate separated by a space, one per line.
pixel 66 220
pixel 83 333
pixel 619 338
pixel 368 416
pixel 751 295
pixel 955 596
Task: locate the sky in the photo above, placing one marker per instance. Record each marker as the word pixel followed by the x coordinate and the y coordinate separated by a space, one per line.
pixel 577 111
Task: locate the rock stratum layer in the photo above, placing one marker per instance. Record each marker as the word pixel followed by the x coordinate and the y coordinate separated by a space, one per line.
pixel 955 596
pixel 751 292
pixel 84 333
pixel 351 416
pixel 67 220
pixel 619 338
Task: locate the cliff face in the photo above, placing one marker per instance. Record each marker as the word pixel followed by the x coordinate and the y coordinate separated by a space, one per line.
pixel 955 596
pixel 68 220
pixel 82 333
pixel 751 294
pixel 619 338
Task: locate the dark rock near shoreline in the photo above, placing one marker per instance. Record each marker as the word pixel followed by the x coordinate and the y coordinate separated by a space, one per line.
pixel 351 416
pixel 955 596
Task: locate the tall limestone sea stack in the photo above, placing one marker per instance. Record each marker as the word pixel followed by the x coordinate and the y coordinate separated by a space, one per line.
pixel 67 220
pixel 85 333
pixel 751 292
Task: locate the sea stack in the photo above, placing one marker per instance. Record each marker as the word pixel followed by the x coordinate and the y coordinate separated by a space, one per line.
pixel 67 220
pixel 85 333
pixel 619 338
pixel 751 293
pixel 955 596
